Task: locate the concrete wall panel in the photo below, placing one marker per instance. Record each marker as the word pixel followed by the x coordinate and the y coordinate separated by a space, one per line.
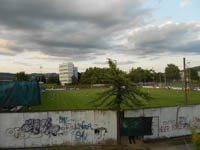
pixel 40 129
pixel 11 136
pixel 110 124
pixel 134 113
pixel 170 121
pixel 152 112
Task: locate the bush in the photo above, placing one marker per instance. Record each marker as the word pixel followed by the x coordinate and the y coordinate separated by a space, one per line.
pixel 195 139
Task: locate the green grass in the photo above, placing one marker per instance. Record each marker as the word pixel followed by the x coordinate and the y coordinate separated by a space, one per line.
pixel 180 141
pixel 85 148
pixel 79 99
pixel 89 148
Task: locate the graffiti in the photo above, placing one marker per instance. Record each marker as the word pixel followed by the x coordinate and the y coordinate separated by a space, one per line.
pixel 172 125
pixel 100 132
pixel 196 123
pixel 37 126
pixel 34 128
pixel 17 133
pixel 83 126
pixel 81 135
pixel 80 130
pixel 65 120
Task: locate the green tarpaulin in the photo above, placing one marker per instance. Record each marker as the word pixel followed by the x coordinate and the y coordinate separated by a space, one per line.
pixel 19 93
pixel 137 126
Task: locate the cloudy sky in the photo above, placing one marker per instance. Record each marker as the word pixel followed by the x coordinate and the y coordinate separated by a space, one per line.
pixel 146 33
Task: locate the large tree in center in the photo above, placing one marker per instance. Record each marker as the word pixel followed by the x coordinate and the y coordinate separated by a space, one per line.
pixel 122 93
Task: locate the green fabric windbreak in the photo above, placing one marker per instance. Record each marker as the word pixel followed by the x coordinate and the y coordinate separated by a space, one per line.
pixel 138 126
pixel 19 93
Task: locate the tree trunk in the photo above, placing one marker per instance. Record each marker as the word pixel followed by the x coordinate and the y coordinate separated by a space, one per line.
pixel 119 120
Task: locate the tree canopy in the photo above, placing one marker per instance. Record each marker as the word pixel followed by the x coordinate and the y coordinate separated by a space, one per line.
pixel 193 74
pixel 142 75
pixel 172 72
pixel 74 80
pixel 53 79
pixel 21 76
pixel 123 91
pixel 95 76
pixel 41 78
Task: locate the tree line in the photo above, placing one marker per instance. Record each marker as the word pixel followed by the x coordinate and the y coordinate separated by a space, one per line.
pixel 22 76
pixel 96 75
pixel 172 73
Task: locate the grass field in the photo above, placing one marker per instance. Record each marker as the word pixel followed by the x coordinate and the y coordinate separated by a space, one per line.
pixel 79 99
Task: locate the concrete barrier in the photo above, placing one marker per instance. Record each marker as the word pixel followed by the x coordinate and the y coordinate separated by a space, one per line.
pixel 41 129
pixel 169 121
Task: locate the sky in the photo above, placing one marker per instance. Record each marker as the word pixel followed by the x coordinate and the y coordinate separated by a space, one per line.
pixel 38 35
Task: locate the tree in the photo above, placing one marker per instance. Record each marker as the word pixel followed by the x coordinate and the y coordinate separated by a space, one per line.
pixel 21 76
pixel 40 78
pixel 193 74
pixel 123 93
pixel 137 75
pixel 79 77
pixel 74 80
pixel 53 79
pixel 94 76
pixel 159 77
pixel 141 75
pixel 172 72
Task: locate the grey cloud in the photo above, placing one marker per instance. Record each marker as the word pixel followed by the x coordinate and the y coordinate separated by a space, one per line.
pixel 23 13
pixel 174 38
pixel 101 63
pixel 75 29
pixel 125 62
pixel 118 62
pixel 22 63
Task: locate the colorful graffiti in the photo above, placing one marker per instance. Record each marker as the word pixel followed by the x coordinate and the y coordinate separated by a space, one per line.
pixel 33 128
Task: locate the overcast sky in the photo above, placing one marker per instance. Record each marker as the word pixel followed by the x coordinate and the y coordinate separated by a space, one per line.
pixel 146 33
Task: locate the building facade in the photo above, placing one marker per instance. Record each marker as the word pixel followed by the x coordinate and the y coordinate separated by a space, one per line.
pixel 66 71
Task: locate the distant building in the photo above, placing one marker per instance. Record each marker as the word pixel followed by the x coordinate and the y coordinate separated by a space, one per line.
pixel 76 72
pixel 66 71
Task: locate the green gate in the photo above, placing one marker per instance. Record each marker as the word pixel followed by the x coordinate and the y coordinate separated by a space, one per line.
pixel 138 126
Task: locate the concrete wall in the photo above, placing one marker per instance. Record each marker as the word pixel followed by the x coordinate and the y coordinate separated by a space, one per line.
pixel 169 121
pixel 39 129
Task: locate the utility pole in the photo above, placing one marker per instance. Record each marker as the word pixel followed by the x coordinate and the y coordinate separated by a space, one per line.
pixel 185 83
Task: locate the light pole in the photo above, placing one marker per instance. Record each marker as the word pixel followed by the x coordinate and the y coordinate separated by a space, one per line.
pixel 40 74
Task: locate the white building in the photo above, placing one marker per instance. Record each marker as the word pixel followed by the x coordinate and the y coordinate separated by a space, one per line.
pixel 66 71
